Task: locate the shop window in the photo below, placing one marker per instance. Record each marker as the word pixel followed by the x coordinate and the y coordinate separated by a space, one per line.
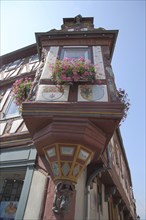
pixel 10 192
pixel 76 52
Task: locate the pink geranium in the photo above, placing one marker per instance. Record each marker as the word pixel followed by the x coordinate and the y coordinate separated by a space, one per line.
pixel 20 89
pixel 73 70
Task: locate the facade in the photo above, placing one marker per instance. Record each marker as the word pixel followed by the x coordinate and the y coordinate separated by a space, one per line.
pixel 62 155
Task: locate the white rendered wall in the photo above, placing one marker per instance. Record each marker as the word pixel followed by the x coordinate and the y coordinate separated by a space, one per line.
pixel 94 212
pixel 36 197
pixel 104 214
pixel 80 197
pixel 93 203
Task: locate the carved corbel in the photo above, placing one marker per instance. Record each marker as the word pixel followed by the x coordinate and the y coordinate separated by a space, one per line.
pixel 62 198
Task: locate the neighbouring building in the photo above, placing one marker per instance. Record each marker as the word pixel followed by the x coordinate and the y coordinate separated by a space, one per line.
pixel 62 155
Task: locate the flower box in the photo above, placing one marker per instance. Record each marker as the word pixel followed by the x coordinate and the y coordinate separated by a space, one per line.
pixel 69 71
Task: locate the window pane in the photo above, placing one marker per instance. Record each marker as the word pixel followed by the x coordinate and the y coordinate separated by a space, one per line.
pixel 11 183
pixel 12 109
pixel 14 65
pixel 2 68
pixel 75 53
pixel 34 59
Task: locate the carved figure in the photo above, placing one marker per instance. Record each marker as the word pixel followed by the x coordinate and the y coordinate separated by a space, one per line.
pixel 63 193
pixel 78 19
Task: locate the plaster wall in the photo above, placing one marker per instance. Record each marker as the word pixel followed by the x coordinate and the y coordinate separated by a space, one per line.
pixel 36 196
pixel 104 214
pixel 96 213
pixel 80 197
pixel 93 203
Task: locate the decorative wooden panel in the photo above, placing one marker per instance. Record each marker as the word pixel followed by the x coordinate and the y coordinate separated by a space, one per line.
pixel 48 93
pixel 15 125
pixel 2 127
pixel 92 93
pixel 4 98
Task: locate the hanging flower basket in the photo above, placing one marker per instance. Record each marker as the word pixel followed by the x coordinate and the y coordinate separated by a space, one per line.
pixel 69 71
pixel 123 96
pixel 21 89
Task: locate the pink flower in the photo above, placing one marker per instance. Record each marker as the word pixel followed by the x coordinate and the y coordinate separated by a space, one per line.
pixel 73 70
pixel 68 78
pixel 21 88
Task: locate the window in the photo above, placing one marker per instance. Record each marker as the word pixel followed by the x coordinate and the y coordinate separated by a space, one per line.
pixel 11 190
pixel 12 109
pixel 11 183
pixel 34 59
pixel 14 65
pixel 2 68
pixel 75 52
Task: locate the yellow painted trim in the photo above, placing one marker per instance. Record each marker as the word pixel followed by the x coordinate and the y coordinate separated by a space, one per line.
pixel 67 154
pixel 57 151
pixel 48 160
pixel 48 146
pixel 65 178
pixel 73 162
pixel 75 157
pixel 82 146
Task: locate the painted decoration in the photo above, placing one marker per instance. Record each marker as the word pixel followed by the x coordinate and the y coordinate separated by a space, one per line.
pixel 48 93
pixel 51 59
pixel 98 62
pixel 67 151
pixel 55 168
pixel 8 210
pixel 83 155
pixel 76 170
pixel 68 162
pixel 92 93
pixel 65 169
pixel 51 152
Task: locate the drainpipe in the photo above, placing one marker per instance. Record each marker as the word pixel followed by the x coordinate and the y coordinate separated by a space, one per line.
pixel 90 179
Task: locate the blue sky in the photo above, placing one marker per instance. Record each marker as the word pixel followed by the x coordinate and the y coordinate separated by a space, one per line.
pixel 21 19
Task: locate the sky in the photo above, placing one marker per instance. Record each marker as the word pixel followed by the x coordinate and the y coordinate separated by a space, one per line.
pixel 20 20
